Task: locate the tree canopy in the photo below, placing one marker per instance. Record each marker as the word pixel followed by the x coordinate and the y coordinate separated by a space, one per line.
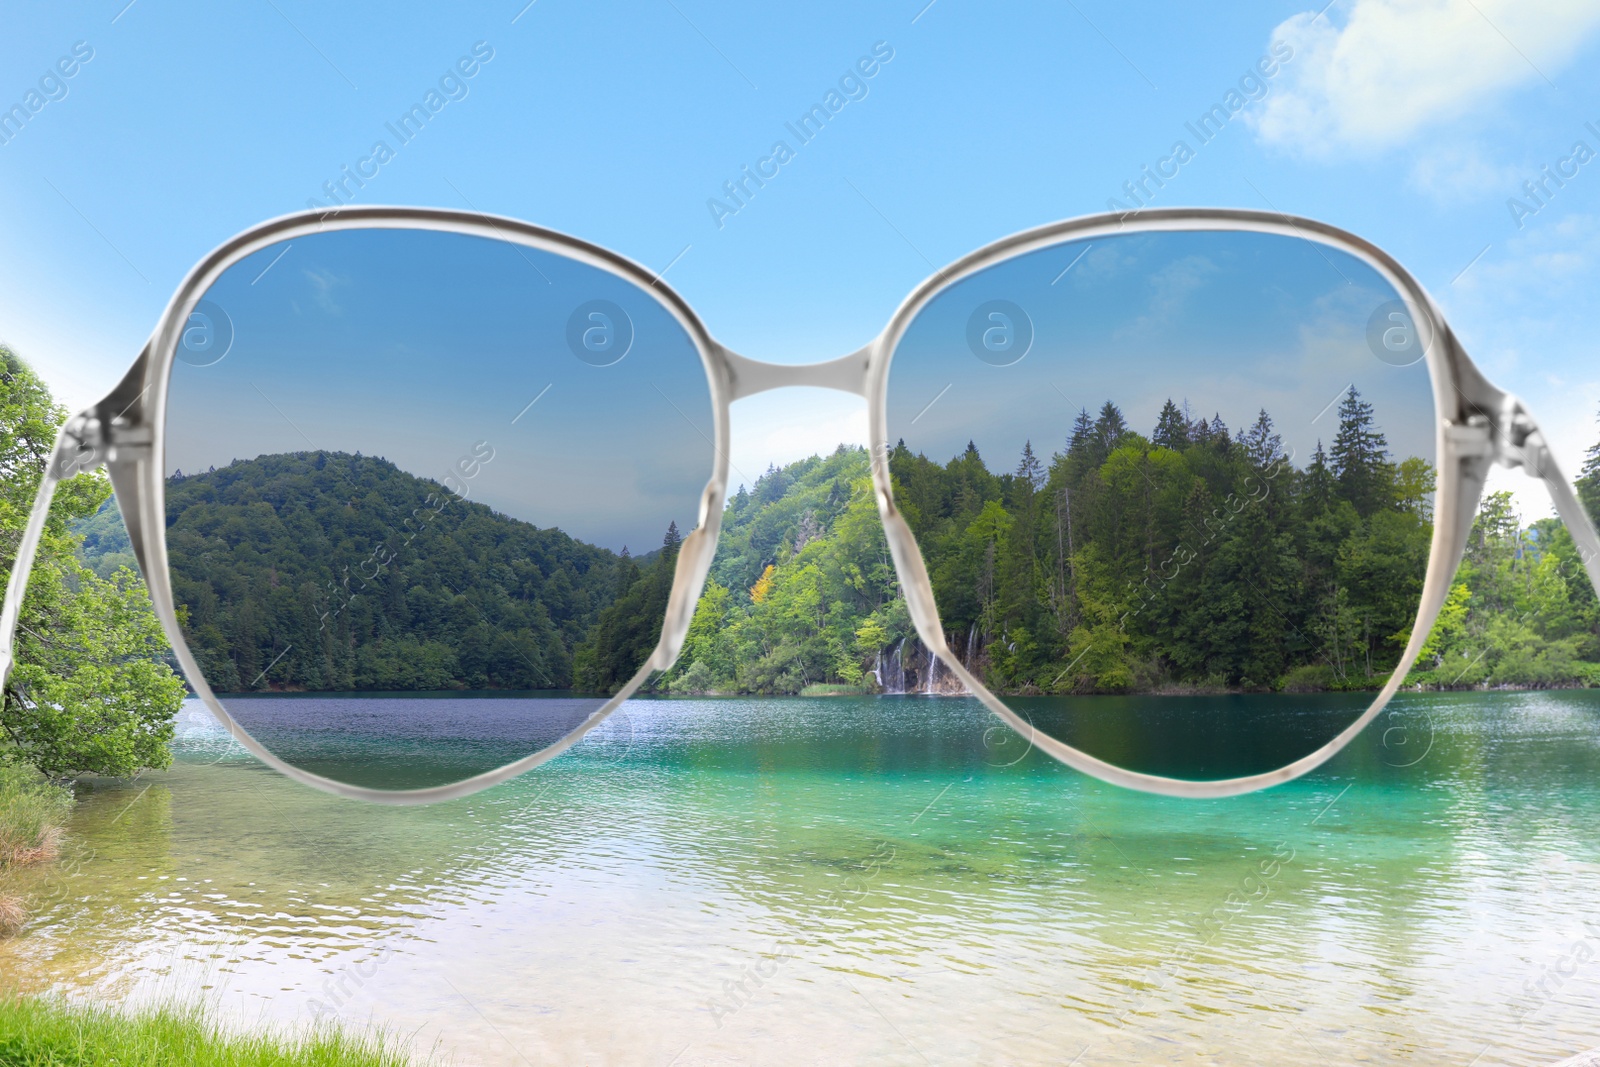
pixel 91 691
pixel 330 571
pixel 1195 558
pixel 1198 558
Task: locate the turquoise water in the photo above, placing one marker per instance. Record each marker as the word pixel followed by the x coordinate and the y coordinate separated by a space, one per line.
pixel 851 880
pixel 415 740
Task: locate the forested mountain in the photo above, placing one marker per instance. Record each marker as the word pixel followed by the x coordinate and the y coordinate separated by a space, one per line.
pixel 327 571
pixel 1190 558
pixel 802 590
pixel 105 541
pixel 627 629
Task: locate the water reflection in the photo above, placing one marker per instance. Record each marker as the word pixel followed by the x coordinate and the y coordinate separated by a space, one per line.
pixel 747 877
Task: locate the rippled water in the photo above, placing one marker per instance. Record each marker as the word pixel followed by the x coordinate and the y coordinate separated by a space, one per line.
pixel 406 741
pixel 844 881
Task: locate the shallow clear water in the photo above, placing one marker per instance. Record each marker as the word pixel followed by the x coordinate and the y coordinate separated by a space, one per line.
pixel 852 880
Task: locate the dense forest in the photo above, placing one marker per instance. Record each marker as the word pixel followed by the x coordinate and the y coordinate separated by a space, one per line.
pixel 327 571
pixel 1192 558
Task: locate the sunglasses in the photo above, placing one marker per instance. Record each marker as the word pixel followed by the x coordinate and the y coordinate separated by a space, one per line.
pixel 409 490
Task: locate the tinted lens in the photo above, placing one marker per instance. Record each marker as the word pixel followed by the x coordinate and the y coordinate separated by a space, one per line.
pixel 424 491
pixel 1173 490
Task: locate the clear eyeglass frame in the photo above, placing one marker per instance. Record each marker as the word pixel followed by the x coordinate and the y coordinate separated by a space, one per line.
pixel 1479 426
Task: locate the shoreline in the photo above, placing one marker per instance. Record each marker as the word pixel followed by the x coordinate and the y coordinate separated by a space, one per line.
pixel 1162 691
pixel 821 690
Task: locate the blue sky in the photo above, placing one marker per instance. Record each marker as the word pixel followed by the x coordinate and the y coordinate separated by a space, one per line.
pixel 1230 324
pixel 451 356
pixel 1412 125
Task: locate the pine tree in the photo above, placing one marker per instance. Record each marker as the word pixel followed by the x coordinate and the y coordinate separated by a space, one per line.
pixel 627 630
pixel 1107 434
pixel 1318 483
pixel 1030 471
pixel 1261 445
pixel 1172 429
pixel 771 485
pixel 1082 428
pixel 1024 505
pixel 1359 456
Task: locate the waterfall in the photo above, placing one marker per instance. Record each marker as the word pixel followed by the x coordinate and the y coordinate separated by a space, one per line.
pixel 918 671
pixel 926 674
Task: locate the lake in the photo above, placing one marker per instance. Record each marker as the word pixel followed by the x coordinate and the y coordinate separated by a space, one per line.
pixel 849 880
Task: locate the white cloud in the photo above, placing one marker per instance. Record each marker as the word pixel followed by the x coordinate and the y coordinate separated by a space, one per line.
pixel 1461 174
pixel 324 284
pixel 791 424
pixel 1397 67
pixel 1544 270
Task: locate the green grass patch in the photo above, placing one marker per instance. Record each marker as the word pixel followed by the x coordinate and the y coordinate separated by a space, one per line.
pixel 820 689
pixel 46 1032
pixel 1309 678
pixel 33 814
pixel 33 817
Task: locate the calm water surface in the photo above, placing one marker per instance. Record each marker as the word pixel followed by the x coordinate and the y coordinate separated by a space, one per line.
pixel 889 880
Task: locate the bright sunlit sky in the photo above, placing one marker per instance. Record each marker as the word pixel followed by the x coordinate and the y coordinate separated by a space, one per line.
pixel 1410 123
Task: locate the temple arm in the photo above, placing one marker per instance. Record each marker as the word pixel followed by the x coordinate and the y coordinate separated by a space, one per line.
pixel 1519 442
pixel 71 455
pixel 1572 513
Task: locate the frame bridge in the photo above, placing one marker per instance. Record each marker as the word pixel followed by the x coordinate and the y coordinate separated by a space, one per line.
pixel 747 377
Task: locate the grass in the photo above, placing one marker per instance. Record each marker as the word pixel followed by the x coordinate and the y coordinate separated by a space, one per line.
pixel 824 689
pixel 33 816
pixel 33 813
pixel 46 1032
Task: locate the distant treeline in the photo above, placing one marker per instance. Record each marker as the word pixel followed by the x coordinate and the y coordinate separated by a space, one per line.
pixel 1194 557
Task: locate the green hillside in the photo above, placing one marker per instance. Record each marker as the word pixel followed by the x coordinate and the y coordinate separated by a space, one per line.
pixel 802 591
pixel 1194 558
pixel 326 571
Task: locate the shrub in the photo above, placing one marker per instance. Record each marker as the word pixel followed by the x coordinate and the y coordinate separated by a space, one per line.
pixel 825 689
pixel 33 813
pixel 1309 678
